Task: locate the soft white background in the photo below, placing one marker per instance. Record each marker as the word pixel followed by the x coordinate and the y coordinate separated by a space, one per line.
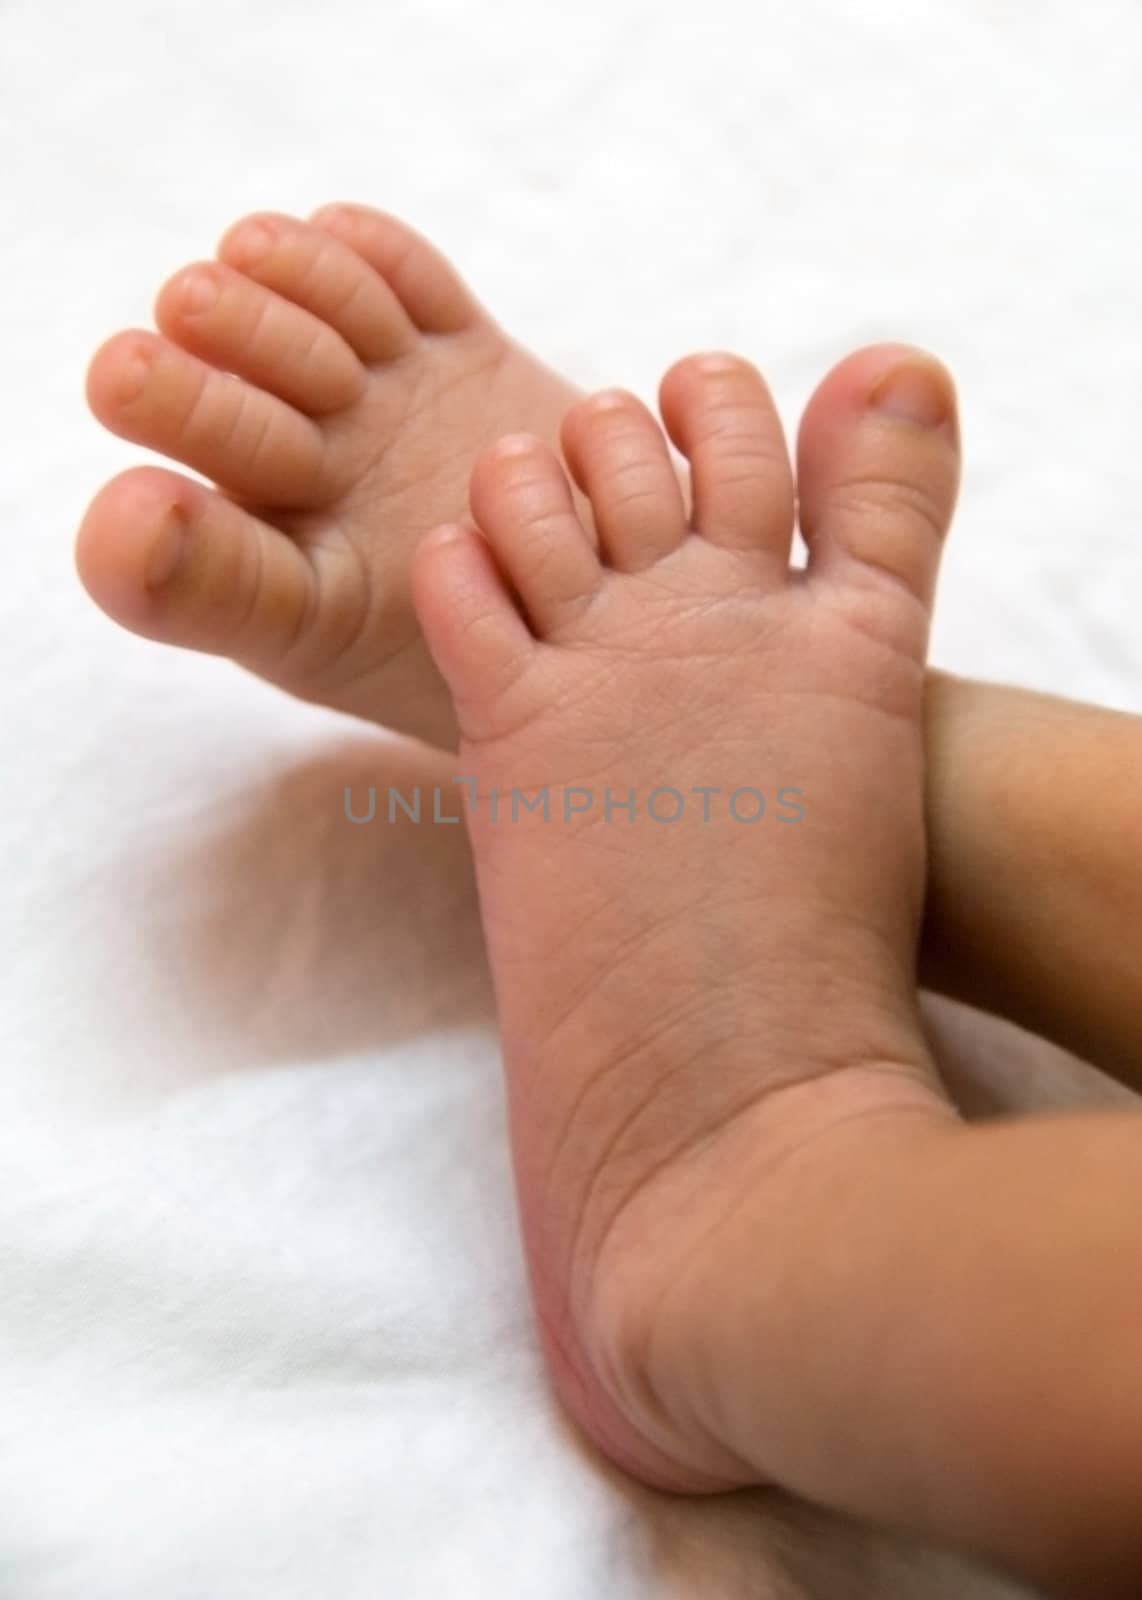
pixel 262 1321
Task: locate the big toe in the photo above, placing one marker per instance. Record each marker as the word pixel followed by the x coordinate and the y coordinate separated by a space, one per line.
pixel 878 469
pixel 175 561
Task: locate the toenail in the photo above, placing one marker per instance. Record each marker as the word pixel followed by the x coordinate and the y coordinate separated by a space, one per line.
pixel 447 533
pixel 609 400
pixel 166 549
pixel 716 361
pixel 914 393
pixel 255 241
pixel 134 375
pixel 516 444
pixel 199 292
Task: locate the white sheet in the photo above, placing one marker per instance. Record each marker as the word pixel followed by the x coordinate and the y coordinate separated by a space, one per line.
pixel 262 1321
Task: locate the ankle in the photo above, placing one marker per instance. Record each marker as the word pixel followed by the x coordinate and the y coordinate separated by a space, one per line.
pixel 784 1333
pixel 698 1314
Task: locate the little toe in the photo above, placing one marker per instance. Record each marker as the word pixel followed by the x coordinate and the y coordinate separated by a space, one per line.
pixel 878 469
pixel 424 281
pixel 233 323
pixel 620 460
pixel 477 638
pixel 522 501
pixel 720 414
pixel 175 561
pixel 146 389
pixel 311 268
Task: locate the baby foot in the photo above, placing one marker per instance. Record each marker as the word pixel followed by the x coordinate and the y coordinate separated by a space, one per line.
pixel 692 779
pixel 334 379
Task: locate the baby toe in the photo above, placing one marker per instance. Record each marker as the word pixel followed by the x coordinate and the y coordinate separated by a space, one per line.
pixel 310 268
pixel 478 640
pixel 620 460
pixel 174 561
pixel 226 319
pixel 878 469
pixel 721 415
pixel 155 394
pixel 522 502
pixel 429 288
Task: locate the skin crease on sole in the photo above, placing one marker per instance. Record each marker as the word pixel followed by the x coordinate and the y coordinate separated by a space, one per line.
pixel 687 1001
pixel 332 465
pixel 335 380
pixel 763 1246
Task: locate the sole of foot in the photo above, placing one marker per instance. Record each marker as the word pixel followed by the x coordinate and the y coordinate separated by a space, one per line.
pixel 693 781
pixel 333 379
